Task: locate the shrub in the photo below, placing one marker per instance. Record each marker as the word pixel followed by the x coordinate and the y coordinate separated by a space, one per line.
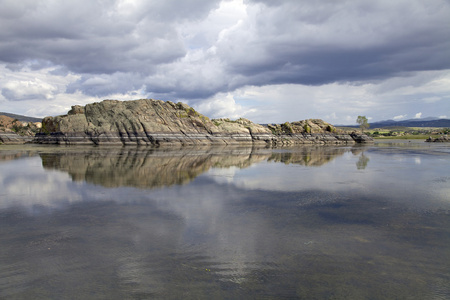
pixel 307 128
pixel 287 128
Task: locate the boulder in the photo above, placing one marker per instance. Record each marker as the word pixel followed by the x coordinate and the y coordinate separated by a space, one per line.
pixel 441 139
pixel 361 138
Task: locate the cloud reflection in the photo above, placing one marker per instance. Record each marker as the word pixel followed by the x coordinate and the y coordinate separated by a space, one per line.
pixel 231 223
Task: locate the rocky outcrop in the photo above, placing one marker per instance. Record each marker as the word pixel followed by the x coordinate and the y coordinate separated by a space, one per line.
pixel 441 139
pixel 361 138
pixel 12 131
pixel 145 122
pixel 312 131
pixel 301 127
pixel 155 122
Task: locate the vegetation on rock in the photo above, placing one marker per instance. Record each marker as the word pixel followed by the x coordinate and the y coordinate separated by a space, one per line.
pixel 302 127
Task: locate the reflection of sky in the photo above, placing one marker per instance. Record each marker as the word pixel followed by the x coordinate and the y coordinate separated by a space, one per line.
pixel 234 219
pixel 25 184
pixel 396 177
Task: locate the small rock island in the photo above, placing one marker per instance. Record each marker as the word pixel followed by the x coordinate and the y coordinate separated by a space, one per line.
pixel 156 123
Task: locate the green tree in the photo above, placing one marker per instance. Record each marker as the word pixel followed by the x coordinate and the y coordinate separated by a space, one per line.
pixel 363 123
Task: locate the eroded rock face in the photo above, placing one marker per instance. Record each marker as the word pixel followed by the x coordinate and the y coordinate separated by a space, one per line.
pixel 155 122
pixel 13 138
pixel 143 122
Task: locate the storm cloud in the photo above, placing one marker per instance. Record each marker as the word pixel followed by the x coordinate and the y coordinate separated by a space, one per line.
pixel 204 52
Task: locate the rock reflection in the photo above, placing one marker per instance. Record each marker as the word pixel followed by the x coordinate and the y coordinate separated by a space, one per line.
pixel 148 168
pixel 12 155
pixel 155 168
pixel 309 156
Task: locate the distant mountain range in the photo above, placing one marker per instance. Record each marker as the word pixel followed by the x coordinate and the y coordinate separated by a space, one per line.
pixel 423 122
pixel 21 118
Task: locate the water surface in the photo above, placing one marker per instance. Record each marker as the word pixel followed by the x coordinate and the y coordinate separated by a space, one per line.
pixel 362 222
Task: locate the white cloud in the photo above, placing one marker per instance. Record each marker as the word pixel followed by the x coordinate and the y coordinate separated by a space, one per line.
pixel 221 106
pixel 418 115
pixel 400 117
pixel 22 90
pixel 33 85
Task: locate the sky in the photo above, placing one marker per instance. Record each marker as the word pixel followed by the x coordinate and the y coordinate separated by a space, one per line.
pixel 269 61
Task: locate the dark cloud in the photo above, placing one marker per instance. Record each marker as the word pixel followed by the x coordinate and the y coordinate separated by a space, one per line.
pixel 103 84
pixel 175 10
pixel 9 94
pixel 121 46
pixel 96 36
pixel 301 42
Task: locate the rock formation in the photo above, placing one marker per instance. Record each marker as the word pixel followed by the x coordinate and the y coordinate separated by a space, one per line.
pixel 441 139
pixel 13 131
pixel 155 122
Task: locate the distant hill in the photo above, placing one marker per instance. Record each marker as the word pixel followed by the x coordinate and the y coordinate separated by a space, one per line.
pixel 21 118
pixel 426 122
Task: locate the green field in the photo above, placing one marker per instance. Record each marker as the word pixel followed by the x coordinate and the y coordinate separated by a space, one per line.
pixel 398 132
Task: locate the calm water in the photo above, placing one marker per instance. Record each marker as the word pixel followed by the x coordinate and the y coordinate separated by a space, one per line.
pixel 225 223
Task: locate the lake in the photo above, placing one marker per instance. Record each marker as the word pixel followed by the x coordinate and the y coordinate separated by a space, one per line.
pixel 308 222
